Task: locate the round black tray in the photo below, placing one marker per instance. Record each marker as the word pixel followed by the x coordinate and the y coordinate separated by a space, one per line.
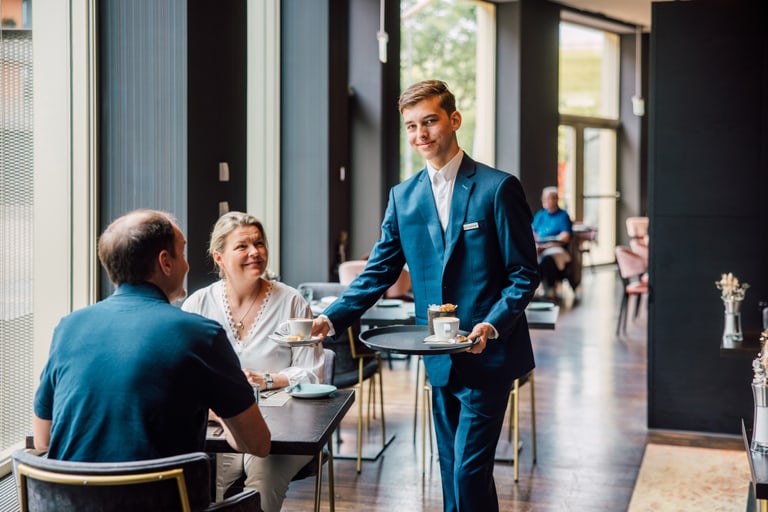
pixel 409 339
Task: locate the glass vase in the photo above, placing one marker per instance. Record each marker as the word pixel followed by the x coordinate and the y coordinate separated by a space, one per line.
pixel 760 424
pixel 732 320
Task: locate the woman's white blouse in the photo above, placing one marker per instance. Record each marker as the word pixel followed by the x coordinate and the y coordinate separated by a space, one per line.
pixel 256 351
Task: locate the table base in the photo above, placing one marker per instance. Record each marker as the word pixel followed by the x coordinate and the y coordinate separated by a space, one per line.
pixel 367 455
pixel 505 453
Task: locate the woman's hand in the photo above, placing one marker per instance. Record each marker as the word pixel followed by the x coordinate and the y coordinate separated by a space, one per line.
pixel 278 379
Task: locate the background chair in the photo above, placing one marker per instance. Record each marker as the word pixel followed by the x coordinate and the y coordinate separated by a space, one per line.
pixel 314 468
pixel 584 237
pixel 180 482
pixel 367 366
pixel 354 365
pixel 632 270
pixel 401 289
pixel 637 229
pixel 513 436
pixel 349 270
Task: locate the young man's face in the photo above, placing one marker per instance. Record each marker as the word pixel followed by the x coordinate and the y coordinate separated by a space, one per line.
pixel 432 131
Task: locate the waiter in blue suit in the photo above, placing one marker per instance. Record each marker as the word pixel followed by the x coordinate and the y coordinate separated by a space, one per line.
pixel 464 229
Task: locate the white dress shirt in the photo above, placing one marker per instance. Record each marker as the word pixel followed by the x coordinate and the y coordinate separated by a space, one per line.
pixel 442 186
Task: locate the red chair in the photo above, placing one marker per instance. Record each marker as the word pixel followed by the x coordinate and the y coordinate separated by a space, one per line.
pixel 632 270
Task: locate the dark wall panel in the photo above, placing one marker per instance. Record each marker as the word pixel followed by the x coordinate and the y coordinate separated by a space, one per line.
pixel 539 116
pixel 526 89
pixel 217 77
pixel 143 110
pixel 706 188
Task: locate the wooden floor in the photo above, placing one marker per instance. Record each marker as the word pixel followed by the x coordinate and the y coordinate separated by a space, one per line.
pixel 590 423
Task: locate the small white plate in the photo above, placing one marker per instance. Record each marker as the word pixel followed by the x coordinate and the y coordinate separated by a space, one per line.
pixel 390 303
pixel 283 340
pixel 312 391
pixel 540 306
pixel 435 340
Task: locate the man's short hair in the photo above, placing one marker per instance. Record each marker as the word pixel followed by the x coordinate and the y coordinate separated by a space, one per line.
pixel 426 89
pixel 549 190
pixel 129 247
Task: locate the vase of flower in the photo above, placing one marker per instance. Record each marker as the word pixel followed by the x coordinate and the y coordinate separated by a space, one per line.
pixel 732 320
pixel 732 295
pixel 760 394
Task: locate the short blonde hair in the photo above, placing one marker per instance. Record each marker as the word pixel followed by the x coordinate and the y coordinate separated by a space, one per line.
pixel 226 224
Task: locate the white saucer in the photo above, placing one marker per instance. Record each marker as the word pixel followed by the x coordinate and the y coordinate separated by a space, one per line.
pixel 435 340
pixel 283 340
pixel 390 303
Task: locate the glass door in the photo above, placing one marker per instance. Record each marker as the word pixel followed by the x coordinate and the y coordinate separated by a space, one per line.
pixel 587 182
pixel 588 105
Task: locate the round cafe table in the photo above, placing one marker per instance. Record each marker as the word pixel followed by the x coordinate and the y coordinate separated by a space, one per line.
pixel 409 339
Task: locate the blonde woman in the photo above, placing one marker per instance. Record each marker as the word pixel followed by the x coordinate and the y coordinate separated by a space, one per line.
pixel 250 308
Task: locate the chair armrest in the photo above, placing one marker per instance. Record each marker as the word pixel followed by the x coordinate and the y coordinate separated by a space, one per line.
pixel 246 501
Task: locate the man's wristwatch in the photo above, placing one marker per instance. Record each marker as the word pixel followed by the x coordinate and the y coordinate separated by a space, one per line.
pixel 270 381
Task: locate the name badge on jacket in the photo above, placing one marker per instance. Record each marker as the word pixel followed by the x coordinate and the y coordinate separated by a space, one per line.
pixel 471 225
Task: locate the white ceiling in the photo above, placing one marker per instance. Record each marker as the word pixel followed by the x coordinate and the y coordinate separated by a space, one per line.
pixel 634 12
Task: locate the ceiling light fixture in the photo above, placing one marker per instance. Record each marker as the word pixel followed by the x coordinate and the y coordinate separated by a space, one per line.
pixel 381 35
pixel 638 104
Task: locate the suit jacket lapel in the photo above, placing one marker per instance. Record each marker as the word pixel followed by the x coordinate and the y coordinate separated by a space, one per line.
pixel 462 189
pixel 429 212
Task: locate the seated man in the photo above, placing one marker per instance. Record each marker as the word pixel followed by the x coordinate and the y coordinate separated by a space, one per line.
pixel 552 231
pixel 132 377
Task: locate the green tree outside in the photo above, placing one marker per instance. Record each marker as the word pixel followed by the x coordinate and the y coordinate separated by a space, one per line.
pixel 439 41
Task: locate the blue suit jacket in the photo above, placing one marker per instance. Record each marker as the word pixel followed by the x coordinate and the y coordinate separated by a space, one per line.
pixel 485 262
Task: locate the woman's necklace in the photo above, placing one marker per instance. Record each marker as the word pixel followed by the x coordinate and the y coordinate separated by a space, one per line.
pixel 239 325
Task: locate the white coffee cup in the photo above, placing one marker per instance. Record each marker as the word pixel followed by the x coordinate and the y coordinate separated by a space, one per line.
pixel 301 327
pixel 446 327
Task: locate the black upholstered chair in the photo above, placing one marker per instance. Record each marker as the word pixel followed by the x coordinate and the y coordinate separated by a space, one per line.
pixel 178 483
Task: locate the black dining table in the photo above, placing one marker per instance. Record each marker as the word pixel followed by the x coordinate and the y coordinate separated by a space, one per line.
pixel 300 426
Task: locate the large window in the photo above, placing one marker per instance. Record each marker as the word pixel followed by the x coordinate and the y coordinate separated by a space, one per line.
pixel 16 206
pixel 451 40
pixel 589 107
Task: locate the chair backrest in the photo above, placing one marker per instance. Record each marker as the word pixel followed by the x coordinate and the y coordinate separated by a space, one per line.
pixel 402 287
pixel 630 264
pixel 180 483
pixel 637 227
pixel 350 269
pixel 329 367
pixel 322 289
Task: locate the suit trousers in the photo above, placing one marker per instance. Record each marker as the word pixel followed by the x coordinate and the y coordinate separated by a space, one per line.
pixel 468 423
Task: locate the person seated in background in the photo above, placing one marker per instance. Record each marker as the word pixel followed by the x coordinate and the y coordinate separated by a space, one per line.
pixel 133 377
pixel 552 230
pixel 251 308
